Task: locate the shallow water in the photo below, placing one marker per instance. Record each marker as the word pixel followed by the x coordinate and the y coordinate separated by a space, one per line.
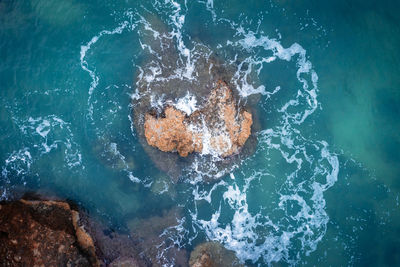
pixel 322 186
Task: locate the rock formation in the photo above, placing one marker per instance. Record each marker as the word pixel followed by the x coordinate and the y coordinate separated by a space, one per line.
pixel 51 233
pixel 43 233
pixel 219 128
pixel 212 254
pixel 163 81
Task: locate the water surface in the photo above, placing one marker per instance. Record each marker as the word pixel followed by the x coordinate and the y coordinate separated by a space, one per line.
pixel 322 187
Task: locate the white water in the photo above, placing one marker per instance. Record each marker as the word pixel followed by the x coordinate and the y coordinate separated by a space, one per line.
pixel 254 236
pixel 43 135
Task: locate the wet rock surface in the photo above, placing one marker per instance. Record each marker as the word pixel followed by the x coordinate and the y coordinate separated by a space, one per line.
pixel 43 233
pixel 165 78
pixel 212 254
pixel 219 128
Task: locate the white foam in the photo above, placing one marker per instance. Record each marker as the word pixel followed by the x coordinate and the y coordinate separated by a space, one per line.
pixel 253 234
pixel 250 41
pixel 308 224
pixel 19 161
pixel 85 66
pixel 49 133
pixel 133 178
pixel 187 104
pixel 113 148
pixel 177 19
pixel 43 128
pixel 157 102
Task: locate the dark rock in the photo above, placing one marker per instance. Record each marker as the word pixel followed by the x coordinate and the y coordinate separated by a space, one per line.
pixel 157 246
pixel 113 247
pixel 43 233
pixel 124 262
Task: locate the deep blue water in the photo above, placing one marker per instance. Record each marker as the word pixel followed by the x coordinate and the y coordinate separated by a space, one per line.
pixel 322 187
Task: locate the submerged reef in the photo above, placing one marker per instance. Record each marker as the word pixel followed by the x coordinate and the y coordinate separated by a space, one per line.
pixel 155 242
pixel 218 128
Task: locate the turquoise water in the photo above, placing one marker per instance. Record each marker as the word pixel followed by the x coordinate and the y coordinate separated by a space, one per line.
pixel 322 187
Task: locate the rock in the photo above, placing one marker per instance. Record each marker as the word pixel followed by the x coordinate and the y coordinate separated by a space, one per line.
pixel 124 262
pixel 43 233
pixel 108 154
pixel 169 133
pixel 84 239
pixel 162 184
pixel 163 81
pixel 212 254
pixel 154 233
pixel 218 128
pixel 114 248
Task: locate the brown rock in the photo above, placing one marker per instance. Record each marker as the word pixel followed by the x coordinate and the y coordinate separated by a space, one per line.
pixel 166 85
pixel 219 128
pixel 169 133
pixel 212 254
pixel 84 239
pixel 43 233
pixel 203 261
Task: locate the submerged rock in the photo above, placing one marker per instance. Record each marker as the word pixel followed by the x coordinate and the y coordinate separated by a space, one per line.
pixel 124 262
pixel 212 254
pixel 219 128
pixel 114 248
pixel 156 244
pixel 43 233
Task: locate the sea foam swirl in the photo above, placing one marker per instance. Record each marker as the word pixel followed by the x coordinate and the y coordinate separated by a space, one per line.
pixel 289 173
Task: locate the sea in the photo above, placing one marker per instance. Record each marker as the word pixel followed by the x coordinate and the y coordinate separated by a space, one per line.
pixel 322 185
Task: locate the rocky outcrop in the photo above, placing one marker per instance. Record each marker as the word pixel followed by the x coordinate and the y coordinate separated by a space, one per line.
pixel 51 233
pixel 162 82
pixel 43 233
pixel 219 128
pixel 212 254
